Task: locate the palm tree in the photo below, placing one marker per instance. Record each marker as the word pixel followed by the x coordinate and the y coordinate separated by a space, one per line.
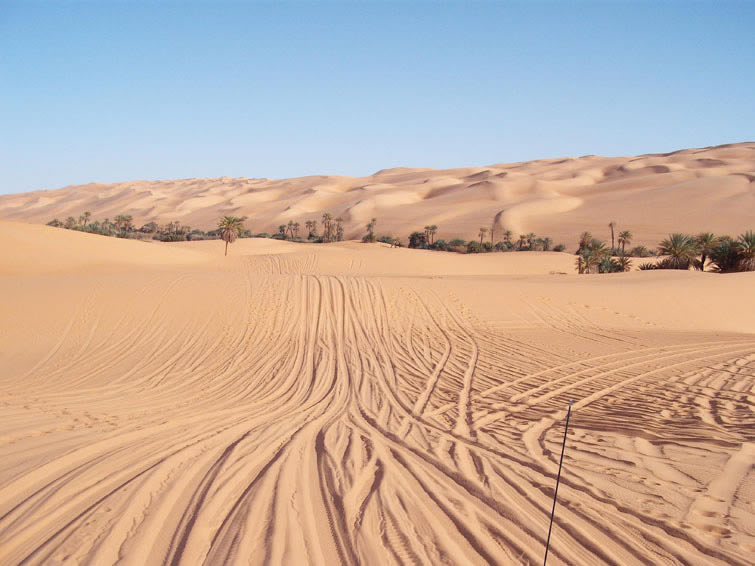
pixel 312 227
pixel 706 241
pixel 593 255
pixel 624 263
pixel 327 226
pixel 625 238
pixel 530 238
pixel 522 240
pixel 580 264
pixel 612 225
pixel 282 230
pixel 492 232
pixel 584 240
pixel 296 229
pixel 681 250
pixel 746 246
pixel 339 229
pixel 547 242
pixel 371 230
pixel 507 236
pixel 85 217
pixel 433 230
pixel 483 231
pixel 70 222
pixel 230 226
pixel 290 228
pixel 124 221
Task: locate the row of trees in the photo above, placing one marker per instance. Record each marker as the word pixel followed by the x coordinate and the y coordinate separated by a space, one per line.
pixel 332 230
pixel 122 226
pixel 723 254
pixel 486 243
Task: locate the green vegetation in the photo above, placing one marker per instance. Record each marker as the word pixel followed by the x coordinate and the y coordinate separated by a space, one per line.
pixel 122 226
pixel 485 242
pixel 679 251
pixel 229 227
pixel 721 254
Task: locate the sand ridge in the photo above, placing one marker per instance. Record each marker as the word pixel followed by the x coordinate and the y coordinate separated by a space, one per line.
pixel 352 403
pixel 692 190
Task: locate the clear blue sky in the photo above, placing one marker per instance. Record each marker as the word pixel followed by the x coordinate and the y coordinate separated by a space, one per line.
pixel 117 91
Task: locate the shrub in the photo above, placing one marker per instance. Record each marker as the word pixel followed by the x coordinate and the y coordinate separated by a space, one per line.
pixel 725 257
pixel 681 250
pixel 559 248
pixel 457 242
pixel 474 247
pixel 639 251
pixel 647 266
pixel 418 240
pixel 609 265
pixel 386 239
pixel 440 245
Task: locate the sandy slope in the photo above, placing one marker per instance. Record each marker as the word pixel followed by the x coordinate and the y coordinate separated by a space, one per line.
pixel 350 403
pixel 708 189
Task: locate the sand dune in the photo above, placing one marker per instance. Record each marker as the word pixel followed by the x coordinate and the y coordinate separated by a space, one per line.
pixel 352 403
pixel 708 189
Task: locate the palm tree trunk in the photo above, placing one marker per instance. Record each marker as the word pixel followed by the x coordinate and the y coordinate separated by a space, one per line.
pixel 226 247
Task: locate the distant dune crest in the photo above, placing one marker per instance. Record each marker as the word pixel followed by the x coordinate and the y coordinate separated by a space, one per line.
pixel 688 190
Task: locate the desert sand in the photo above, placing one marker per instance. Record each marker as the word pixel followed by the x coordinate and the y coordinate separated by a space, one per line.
pixel 353 403
pixel 691 190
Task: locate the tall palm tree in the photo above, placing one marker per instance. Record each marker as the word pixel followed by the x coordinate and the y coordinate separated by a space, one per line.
pixel 296 229
pixel 483 231
pixel 507 236
pixel 371 229
pixel 230 226
pixel 85 217
pixel 290 228
pixel 681 250
pixel 625 237
pixel 522 240
pixel 612 225
pixel 327 226
pixel 339 229
pixel 433 230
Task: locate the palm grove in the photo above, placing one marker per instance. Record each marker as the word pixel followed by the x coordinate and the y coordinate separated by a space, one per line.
pixel 704 252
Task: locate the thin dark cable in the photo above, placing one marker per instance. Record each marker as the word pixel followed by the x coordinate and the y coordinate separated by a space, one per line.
pixel 558 479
